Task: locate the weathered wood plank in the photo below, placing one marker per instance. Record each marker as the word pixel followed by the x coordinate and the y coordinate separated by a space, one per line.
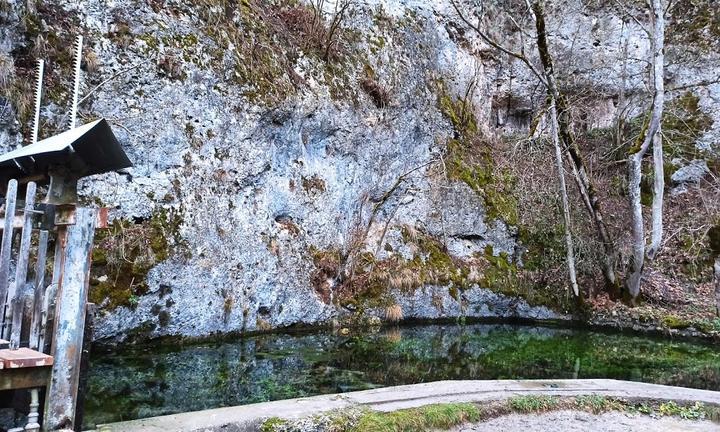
pixel 51 293
pixel 23 358
pixel 70 321
pixel 17 222
pixel 16 292
pixel 5 250
pixel 38 316
pixel 12 379
pixel 91 311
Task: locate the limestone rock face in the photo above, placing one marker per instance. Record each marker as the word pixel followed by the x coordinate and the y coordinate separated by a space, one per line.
pixel 256 185
pixel 689 174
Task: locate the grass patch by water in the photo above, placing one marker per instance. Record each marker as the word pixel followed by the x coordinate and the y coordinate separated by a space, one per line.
pixel 438 417
pixel 532 403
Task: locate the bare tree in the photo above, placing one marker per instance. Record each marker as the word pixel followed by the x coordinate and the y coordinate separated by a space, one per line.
pixel 326 35
pixel 585 186
pixel 716 269
pixel 714 237
pixel 546 76
pixel 569 249
pixel 650 137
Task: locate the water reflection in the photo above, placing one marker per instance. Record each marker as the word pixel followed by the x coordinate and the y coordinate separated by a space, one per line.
pixel 143 382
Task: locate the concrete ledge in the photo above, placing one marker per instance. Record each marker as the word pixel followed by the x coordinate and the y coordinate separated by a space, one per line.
pixel 408 396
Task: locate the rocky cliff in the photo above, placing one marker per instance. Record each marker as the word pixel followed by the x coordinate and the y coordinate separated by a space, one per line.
pixel 301 164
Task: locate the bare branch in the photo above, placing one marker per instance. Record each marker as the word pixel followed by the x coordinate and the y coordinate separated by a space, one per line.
pixel 628 14
pixel 496 45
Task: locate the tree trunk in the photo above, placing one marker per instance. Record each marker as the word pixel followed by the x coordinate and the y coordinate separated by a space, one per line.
pixel 717 286
pixel 582 180
pixel 658 196
pixel 570 254
pixel 637 261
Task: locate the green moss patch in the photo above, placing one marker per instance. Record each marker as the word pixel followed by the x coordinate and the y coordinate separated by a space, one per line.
pixel 470 158
pixel 369 282
pixel 696 26
pixel 124 254
pixel 683 124
pixel 440 416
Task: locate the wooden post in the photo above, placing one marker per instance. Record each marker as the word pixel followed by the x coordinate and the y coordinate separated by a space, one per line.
pixel 10 198
pixel 16 294
pixel 90 313
pixel 38 316
pixel 51 293
pixel 70 322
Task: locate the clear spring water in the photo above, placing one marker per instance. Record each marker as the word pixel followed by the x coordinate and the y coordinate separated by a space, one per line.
pixel 139 382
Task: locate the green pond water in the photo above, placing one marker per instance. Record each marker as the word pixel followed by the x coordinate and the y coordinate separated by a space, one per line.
pixel 138 382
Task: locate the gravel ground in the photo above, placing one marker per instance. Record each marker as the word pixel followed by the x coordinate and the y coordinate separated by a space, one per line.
pixel 575 421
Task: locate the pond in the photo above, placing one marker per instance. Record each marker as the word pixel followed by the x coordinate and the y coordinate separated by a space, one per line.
pixel 138 382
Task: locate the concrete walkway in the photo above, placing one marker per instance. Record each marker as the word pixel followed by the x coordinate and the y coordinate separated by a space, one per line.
pixel 409 396
pixel 578 421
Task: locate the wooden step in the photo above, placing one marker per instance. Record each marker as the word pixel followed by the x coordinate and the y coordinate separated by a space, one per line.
pixel 23 358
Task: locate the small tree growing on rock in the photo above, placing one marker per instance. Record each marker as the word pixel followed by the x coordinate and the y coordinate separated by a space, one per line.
pixel 714 234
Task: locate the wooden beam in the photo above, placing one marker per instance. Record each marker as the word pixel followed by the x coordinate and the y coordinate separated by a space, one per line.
pixel 13 379
pixel 16 293
pixel 38 316
pixel 23 358
pixel 5 249
pixel 16 222
pixel 70 322
pixel 51 294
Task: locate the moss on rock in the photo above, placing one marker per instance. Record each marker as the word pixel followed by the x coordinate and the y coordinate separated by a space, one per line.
pixel 683 124
pixel 469 158
pixel 125 253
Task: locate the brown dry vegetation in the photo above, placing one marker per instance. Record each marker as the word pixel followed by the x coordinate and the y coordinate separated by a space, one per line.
pixel 677 287
pixel 49 35
pixel 267 38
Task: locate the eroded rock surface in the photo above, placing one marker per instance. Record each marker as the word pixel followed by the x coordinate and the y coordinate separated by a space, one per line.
pixel 238 181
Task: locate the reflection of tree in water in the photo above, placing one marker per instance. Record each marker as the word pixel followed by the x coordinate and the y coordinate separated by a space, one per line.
pixel 507 353
pixel 162 380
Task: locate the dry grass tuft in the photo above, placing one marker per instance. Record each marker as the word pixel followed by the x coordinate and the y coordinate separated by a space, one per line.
pixel 394 313
pixel 92 61
pixel 7 72
pixel 406 279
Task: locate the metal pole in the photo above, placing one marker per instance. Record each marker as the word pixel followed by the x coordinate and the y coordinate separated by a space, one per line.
pixel 70 322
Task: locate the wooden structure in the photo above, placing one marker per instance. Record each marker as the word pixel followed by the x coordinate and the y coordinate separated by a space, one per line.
pixel 42 315
pixel 43 318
